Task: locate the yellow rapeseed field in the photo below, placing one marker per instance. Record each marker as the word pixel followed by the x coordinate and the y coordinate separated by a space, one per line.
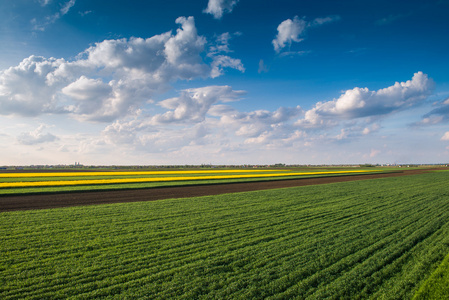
pixel 160 179
pixel 112 173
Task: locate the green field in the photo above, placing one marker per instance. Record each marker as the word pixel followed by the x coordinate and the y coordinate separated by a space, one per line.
pixel 380 238
pixel 437 286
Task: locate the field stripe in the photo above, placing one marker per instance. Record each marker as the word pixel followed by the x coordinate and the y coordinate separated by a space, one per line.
pixel 167 179
pixel 123 173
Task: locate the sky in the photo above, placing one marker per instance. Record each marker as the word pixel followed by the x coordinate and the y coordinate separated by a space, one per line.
pixel 224 82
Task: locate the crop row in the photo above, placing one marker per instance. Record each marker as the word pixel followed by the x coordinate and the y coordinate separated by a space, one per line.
pixel 125 173
pixel 160 179
pixel 436 287
pixel 366 239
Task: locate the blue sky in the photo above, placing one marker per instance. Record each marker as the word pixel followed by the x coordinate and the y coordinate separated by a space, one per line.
pixel 223 82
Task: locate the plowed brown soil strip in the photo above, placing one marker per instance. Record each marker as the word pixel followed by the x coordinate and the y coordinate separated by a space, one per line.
pixel 26 202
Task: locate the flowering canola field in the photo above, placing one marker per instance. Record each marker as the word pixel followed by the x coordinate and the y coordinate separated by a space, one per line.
pixel 71 174
pixel 194 176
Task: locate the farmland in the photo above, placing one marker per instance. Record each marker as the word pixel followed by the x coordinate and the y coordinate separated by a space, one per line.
pixel 436 287
pixel 362 239
pixel 41 182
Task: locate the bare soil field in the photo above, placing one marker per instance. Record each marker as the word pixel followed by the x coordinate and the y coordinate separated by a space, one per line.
pixel 44 201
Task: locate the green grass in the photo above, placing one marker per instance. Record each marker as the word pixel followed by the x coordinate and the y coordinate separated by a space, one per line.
pixel 366 239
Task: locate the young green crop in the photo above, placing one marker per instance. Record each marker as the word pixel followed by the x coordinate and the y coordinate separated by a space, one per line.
pixel 366 239
pixel 437 286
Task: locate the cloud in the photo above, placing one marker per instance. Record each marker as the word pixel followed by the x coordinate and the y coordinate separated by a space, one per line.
pixel 88 94
pixel 53 18
pixel 262 67
pixel 110 79
pixel 445 137
pixel 85 13
pixel 66 7
pixel 361 102
pixel 218 7
pixel 183 48
pixel 266 117
pixel 221 44
pixel 87 89
pixel 436 116
pixel 290 31
pixel 204 116
pixel 260 126
pixel 147 140
pixel 193 104
pixel 221 61
pixel 322 21
pixel 370 129
pixel 293 53
pixel 24 89
pixel 36 137
pixel 390 19
pixel 189 110
pixel 44 2
pixel 374 153
pixel 161 58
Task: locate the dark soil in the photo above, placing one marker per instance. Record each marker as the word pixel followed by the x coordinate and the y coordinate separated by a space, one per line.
pixel 43 201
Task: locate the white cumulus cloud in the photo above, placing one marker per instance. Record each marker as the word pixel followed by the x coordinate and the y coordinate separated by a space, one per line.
pixel 204 119
pixel 256 126
pixel 218 7
pixel 193 104
pixel 204 116
pixel 189 110
pixel 290 31
pixel 222 61
pixel 36 137
pixel 24 89
pixel 110 79
pixel 361 102
pixel 88 94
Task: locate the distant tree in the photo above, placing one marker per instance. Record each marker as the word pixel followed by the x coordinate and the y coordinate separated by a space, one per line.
pixel 367 166
pixel 279 165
